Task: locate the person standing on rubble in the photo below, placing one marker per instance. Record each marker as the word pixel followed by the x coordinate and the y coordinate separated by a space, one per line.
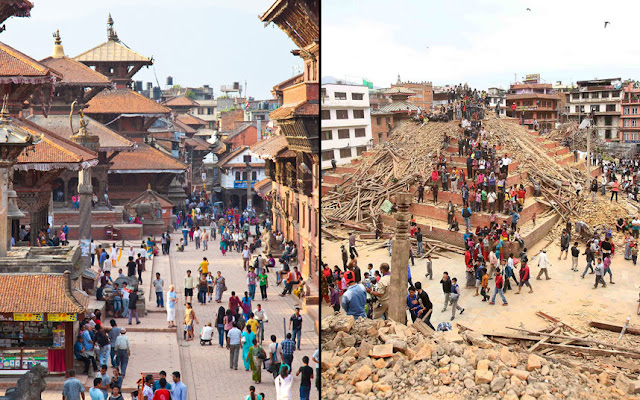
pixel 382 292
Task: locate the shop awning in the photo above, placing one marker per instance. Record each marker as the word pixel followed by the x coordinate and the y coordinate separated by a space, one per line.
pixel 38 294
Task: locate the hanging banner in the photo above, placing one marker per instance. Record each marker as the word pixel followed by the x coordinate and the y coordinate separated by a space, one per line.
pixel 28 317
pixel 61 317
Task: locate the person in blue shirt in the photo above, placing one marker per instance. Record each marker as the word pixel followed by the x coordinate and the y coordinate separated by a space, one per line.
pixel 179 391
pixel 185 234
pixel 514 220
pixel 355 297
pixel 80 354
pixel 413 304
pixel 156 383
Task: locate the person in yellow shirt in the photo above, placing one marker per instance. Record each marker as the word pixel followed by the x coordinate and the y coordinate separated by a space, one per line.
pixel 485 285
pixel 204 266
pixel 253 323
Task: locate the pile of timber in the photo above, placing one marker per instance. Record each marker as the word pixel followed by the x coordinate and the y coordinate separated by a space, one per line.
pixel 562 338
pixel 406 158
pixel 577 138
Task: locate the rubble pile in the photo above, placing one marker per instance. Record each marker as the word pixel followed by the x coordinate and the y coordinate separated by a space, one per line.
pixel 408 156
pixel 376 359
pixel 577 138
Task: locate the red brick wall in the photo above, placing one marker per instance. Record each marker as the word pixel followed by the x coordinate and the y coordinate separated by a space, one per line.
pixel 246 138
pixel 300 92
pixel 424 89
pixel 227 118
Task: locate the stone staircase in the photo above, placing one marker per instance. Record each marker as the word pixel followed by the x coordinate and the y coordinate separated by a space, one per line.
pixel 432 218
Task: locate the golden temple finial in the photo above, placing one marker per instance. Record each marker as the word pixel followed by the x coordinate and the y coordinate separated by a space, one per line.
pixel 111 33
pixel 149 186
pixel 58 51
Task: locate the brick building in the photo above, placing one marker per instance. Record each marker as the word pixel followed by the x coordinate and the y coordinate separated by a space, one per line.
pixel 423 93
pixel 535 102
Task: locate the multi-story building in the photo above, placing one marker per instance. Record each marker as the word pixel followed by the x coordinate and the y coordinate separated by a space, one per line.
pixel 390 114
pixel 535 102
pixel 497 96
pixel 345 124
pixel 423 92
pixel 630 116
pixel 600 98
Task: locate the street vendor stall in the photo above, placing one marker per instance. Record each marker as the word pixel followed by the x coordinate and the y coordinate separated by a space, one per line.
pixel 38 314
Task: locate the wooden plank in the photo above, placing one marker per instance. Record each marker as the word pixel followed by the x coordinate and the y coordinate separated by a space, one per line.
pixel 591 350
pixel 614 328
pixel 577 339
pixel 423 328
pixel 557 321
pixel 544 340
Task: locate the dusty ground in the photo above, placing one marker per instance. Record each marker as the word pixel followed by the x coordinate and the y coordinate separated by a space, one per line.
pixel 565 296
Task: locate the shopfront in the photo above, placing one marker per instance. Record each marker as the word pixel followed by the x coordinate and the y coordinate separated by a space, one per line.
pixel 27 339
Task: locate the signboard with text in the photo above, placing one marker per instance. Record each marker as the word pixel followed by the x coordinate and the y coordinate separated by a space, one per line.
pixel 242 184
pixel 532 78
pixel 28 317
pixel 61 317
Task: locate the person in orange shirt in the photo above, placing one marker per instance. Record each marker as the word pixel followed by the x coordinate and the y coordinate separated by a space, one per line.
pixel 614 190
pixel 288 284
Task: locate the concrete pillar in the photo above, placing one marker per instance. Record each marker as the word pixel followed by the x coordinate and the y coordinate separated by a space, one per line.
pixel 85 193
pixel 4 205
pixel 400 260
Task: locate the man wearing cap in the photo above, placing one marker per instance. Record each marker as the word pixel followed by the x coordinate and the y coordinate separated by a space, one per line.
pixel 382 292
pixel 123 350
pixel 355 297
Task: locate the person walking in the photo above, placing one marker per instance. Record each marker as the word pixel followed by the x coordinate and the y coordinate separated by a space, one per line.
pixel 575 253
pixel 429 273
pixel 419 241
pixel 72 389
pixel 288 348
pixel 599 274
pixel 564 244
pixel 263 280
pixel 205 240
pixel 158 285
pixel 607 269
pixel 543 264
pixel 498 289
pixel 446 289
pixel 123 351
pixel 220 286
pixel 189 320
pixel 484 284
pixel 295 326
pixel 614 189
pixel 255 356
pixel 590 260
pixel 524 278
pixel 133 307
pixel 251 282
pixel 233 338
pixel 114 332
pixel 352 244
pixel 305 381
pixel 246 257
pixel 284 383
pixel 455 296
pixel 248 336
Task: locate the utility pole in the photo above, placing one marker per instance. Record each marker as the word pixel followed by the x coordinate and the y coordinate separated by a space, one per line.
pixel 400 261
pixel 247 160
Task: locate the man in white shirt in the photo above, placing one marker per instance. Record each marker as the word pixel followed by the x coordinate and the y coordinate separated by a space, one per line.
pixel 246 257
pixel 123 350
pixel 189 283
pixel 543 263
pixel 206 333
pixel 234 336
pixel 93 252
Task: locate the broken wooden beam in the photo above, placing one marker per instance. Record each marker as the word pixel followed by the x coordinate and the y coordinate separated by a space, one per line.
pixel 614 328
pixel 557 321
pixel 591 350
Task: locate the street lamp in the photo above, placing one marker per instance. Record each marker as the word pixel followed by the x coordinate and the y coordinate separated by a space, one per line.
pixel 247 161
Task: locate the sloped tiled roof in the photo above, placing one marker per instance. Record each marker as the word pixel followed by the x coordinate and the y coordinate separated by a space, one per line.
pixel 243 127
pixel 52 151
pixel 270 147
pixel 180 101
pixel 231 155
pixel 398 90
pixel 111 51
pixel 191 120
pixel 75 73
pixel 182 127
pixel 16 64
pixel 197 143
pixel 37 293
pixel 293 110
pixel 123 101
pixel 59 124
pixel 149 196
pixel 145 159
pixel 397 106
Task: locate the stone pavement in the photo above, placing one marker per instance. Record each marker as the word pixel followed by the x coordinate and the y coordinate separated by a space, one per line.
pixel 206 369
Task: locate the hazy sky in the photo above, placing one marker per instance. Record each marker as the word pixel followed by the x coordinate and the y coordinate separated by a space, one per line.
pixel 482 42
pixel 197 42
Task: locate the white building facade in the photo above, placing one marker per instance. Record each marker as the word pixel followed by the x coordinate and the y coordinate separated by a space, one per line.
pixel 497 96
pixel 345 123
pixel 602 97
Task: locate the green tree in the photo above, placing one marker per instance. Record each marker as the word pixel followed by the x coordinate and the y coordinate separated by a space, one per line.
pixel 190 95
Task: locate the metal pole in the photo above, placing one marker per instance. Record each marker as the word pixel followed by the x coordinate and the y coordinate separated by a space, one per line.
pixel 4 205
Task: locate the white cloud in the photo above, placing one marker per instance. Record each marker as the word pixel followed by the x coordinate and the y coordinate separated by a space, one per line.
pixel 485 43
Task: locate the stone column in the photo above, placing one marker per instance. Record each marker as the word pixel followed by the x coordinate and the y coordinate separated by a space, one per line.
pixel 4 206
pixel 400 261
pixel 66 191
pixel 85 193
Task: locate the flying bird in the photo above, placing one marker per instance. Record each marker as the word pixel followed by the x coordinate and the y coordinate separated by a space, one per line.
pixel 528 9
pixel 606 23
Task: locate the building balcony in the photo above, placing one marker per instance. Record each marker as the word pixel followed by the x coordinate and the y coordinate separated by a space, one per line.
pixel 629 102
pixel 595 100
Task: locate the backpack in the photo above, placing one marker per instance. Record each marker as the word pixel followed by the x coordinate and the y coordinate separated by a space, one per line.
pixel 103 339
pixel 466 213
